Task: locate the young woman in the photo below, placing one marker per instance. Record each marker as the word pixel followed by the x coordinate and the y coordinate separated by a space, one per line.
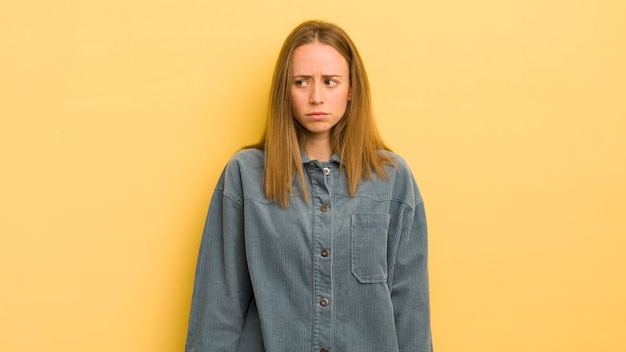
pixel 315 238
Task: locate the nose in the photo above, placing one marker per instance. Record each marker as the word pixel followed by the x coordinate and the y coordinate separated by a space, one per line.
pixel 317 94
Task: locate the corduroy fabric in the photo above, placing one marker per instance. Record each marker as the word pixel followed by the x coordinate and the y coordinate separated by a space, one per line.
pixel 332 274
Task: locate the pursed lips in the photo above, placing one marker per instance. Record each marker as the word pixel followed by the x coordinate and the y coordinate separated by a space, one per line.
pixel 317 113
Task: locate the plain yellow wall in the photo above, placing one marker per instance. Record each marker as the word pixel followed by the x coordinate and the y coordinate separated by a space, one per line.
pixel 116 118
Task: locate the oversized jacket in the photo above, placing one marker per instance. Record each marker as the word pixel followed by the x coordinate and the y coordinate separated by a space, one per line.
pixel 334 273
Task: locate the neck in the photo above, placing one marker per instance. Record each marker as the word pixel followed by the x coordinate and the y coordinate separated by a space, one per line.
pixel 318 149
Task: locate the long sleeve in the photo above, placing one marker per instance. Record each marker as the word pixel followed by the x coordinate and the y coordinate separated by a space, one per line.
pixel 336 272
pixel 222 291
pixel 409 286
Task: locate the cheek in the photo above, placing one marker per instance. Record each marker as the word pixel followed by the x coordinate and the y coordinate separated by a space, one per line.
pixel 298 102
pixel 345 98
pixel 294 103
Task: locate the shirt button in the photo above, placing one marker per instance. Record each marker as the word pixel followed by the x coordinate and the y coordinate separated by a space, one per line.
pixel 324 208
pixel 326 171
pixel 324 252
pixel 324 302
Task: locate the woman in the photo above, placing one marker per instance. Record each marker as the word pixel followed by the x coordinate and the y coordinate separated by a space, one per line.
pixel 316 237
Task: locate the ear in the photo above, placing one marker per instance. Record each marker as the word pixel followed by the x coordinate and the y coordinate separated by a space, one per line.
pixel 350 94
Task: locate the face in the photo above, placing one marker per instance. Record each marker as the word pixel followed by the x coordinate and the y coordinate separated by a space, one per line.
pixel 320 88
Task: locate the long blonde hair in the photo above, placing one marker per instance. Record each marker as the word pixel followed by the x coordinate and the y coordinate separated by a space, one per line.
pixel 354 138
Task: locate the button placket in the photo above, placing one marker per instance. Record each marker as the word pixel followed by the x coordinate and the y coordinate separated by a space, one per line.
pixel 323 238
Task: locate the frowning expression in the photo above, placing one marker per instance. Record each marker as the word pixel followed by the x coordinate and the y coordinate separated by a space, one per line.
pixel 320 87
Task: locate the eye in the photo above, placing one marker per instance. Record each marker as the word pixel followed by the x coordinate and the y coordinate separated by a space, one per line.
pixel 330 82
pixel 300 83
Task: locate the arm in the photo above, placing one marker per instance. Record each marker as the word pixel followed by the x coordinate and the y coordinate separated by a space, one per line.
pixel 222 290
pixel 409 285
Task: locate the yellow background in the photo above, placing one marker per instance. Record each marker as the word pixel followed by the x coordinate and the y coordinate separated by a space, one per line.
pixel 117 117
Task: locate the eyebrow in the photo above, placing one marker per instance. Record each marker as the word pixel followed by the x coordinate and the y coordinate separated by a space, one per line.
pixel 324 76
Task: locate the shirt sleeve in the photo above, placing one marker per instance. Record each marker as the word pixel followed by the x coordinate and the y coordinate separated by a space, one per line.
pixel 222 290
pixel 409 286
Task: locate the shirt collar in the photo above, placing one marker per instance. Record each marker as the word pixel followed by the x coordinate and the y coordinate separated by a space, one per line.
pixel 305 159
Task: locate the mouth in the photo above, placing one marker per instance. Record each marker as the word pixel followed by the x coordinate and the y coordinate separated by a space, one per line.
pixel 317 114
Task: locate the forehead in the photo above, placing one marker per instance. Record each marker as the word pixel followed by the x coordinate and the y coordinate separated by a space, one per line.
pixel 318 58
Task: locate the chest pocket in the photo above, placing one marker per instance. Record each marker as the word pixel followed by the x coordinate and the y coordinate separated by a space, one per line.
pixel 368 237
